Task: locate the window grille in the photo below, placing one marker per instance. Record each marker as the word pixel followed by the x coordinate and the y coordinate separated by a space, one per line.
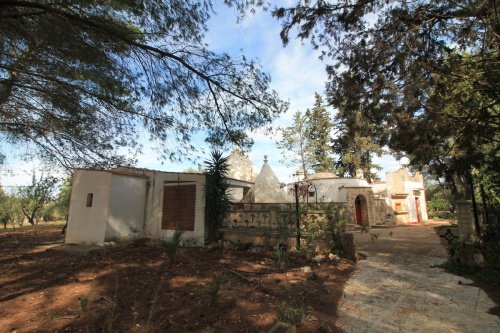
pixel 179 202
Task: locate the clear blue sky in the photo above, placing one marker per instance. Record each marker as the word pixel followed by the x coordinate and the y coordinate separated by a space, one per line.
pixel 296 72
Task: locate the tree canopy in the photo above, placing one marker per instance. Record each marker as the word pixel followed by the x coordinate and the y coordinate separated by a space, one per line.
pixel 35 197
pixel 319 131
pixel 307 143
pixel 421 77
pixel 81 79
pixel 294 142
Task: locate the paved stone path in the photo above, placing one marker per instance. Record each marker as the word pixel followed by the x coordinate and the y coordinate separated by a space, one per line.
pixel 396 289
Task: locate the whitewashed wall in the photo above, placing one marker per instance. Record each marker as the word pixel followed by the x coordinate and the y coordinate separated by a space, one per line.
pixel 126 207
pixel 87 225
pixel 334 189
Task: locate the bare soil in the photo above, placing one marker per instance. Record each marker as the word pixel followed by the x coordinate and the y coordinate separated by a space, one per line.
pixel 136 288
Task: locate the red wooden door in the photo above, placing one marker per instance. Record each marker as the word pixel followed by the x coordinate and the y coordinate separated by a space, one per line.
pixel 359 215
pixel 417 207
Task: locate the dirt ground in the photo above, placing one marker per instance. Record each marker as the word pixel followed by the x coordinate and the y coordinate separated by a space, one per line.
pixel 136 288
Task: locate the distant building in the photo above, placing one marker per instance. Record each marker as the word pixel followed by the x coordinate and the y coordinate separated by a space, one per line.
pixel 400 199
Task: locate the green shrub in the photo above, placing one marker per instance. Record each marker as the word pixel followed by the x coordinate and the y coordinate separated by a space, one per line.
pixel 293 308
pixel 217 202
pixel 172 245
pixel 280 258
pixel 214 288
pixel 491 245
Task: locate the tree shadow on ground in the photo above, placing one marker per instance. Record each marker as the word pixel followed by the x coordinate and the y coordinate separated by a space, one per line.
pixel 135 288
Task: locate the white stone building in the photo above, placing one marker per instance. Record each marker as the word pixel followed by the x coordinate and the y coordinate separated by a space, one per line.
pixel 399 199
pixel 127 202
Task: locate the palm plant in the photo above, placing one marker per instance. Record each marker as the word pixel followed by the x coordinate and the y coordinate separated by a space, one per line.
pixel 217 201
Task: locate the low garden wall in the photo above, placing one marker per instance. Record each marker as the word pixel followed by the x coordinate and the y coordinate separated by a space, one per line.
pixel 268 224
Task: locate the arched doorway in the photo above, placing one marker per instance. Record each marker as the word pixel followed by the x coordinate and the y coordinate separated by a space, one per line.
pixel 361 211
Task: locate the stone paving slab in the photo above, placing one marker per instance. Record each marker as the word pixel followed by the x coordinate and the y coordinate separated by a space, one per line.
pixel 397 288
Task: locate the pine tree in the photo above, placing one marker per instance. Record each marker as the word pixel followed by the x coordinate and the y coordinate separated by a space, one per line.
pixel 398 77
pixel 294 144
pixel 318 132
pixel 81 79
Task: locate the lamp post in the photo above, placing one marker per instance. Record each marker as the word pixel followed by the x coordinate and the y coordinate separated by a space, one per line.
pixel 297 177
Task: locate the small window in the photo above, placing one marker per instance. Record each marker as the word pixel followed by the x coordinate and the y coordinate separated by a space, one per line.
pixel 90 197
pixel 399 207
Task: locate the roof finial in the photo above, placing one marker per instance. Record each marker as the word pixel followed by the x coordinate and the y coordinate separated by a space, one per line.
pixel 265 158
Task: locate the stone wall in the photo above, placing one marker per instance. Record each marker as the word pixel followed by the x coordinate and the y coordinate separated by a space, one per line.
pixel 383 213
pixel 267 224
pixel 351 194
pixel 268 216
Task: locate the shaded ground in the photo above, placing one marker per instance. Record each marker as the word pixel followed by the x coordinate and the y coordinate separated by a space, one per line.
pixel 137 289
pixel 399 288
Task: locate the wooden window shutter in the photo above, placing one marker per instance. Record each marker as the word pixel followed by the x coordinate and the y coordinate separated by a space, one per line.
pixel 179 203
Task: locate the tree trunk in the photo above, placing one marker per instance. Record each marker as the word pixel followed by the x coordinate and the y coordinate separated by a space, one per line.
pixel 463 182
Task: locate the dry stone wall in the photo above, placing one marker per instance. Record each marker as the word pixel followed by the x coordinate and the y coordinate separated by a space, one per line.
pixel 267 224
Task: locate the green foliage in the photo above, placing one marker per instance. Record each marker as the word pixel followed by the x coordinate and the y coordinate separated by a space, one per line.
pixel 314 228
pixel 318 131
pixel 4 217
pixel 401 79
pixel 334 227
pixel 10 211
pixel 355 148
pixel 491 245
pixel 82 79
pixel 61 204
pixel 198 169
pixel 293 308
pixel 306 143
pixel 438 204
pixel 441 201
pixel 284 227
pixel 214 288
pixel 293 144
pixel 49 213
pixel 172 245
pixel 36 196
pixel 280 258
pixel 84 301
pixel 488 274
pixel 217 202
pixel 487 178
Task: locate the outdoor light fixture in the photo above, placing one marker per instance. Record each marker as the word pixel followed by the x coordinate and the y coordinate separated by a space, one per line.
pixel 312 191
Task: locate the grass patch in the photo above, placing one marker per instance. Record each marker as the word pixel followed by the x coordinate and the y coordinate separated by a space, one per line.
pixel 171 245
pixel 293 308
